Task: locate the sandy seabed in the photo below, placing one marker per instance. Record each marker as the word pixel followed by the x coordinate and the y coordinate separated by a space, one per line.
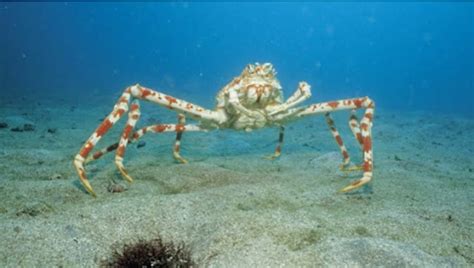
pixel 230 206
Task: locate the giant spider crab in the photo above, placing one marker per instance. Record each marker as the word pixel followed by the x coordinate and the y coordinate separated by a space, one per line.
pixel 250 101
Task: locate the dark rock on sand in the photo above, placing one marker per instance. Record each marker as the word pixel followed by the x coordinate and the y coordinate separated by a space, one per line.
pixel 28 127
pixel 34 209
pixel 17 129
pixel 25 127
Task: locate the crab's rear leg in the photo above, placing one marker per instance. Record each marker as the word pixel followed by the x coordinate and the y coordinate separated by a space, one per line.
pixel 355 128
pixel 277 152
pixel 366 137
pixel 345 155
pixel 177 144
pixel 120 108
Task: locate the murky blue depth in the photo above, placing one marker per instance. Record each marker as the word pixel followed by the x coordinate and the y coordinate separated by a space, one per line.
pixel 406 56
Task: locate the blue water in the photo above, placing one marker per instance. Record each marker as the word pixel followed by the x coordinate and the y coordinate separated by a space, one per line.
pixel 406 56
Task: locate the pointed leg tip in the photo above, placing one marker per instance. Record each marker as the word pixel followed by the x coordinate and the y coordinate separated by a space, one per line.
pixel 125 175
pixel 177 157
pixel 89 188
pixel 356 184
pixel 128 178
pixel 272 157
pixel 346 189
pixel 181 160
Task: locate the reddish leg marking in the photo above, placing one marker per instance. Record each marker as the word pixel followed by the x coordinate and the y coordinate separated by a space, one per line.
pixel 355 128
pixel 362 133
pixel 179 128
pixel 119 109
pixel 279 145
pixel 337 137
pixel 133 117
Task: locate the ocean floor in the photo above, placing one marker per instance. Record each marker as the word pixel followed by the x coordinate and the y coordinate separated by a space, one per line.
pixel 230 206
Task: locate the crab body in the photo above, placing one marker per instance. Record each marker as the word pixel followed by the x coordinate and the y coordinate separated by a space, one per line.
pixel 246 101
pixel 250 101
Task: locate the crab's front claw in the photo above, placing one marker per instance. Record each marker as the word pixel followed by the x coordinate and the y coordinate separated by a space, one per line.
pixel 358 183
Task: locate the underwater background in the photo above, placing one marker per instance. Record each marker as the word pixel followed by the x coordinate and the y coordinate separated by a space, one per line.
pixel 407 56
pixel 64 65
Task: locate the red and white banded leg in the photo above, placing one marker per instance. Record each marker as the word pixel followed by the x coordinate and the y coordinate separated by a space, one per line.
pixel 355 128
pixel 177 143
pixel 136 92
pixel 367 166
pixel 160 128
pixel 133 116
pixel 279 145
pixel 120 108
pixel 365 127
pixel 345 155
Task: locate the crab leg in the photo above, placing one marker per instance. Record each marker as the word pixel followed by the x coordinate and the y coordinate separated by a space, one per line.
pixel 178 105
pixel 340 143
pixel 354 125
pixel 102 152
pixel 120 108
pixel 137 92
pixel 133 117
pixel 140 133
pixel 365 127
pixel 280 144
pixel 355 128
pixel 177 143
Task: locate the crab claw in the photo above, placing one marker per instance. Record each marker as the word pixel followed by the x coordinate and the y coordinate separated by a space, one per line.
pixel 358 183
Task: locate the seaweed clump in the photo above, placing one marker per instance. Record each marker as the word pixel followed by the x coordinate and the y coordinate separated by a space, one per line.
pixel 151 253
